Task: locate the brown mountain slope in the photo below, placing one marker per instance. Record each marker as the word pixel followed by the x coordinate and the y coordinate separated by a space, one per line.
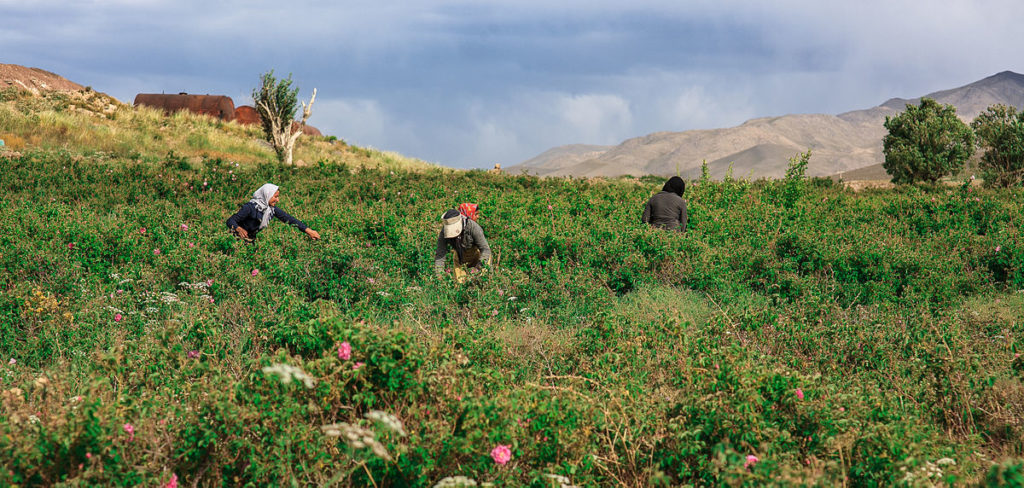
pixel 762 147
pixel 34 79
pixel 565 156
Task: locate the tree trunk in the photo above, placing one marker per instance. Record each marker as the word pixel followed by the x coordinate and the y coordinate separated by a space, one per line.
pixel 283 135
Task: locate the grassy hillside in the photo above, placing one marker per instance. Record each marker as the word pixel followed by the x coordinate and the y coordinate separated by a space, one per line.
pixel 93 124
pixel 798 334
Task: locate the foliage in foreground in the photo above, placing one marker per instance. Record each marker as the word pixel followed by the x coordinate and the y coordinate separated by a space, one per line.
pixel 799 333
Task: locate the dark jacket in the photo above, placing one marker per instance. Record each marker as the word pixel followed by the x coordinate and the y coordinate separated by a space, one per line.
pixel 472 236
pixel 666 210
pixel 249 219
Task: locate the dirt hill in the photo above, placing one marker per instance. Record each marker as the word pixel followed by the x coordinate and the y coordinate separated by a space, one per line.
pixel 762 147
pixel 34 79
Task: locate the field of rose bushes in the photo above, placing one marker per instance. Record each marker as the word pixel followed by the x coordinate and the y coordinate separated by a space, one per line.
pixel 798 334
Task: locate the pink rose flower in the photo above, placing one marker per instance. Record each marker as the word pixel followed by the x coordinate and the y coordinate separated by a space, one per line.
pixel 184 226
pixel 130 429
pixel 173 483
pixel 117 317
pixel 193 354
pixel 501 454
pixel 751 461
pixel 999 248
pixel 358 365
pixel 550 207
pixel 71 245
pixel 142 230
pixel 255 272
pixel 156 252
pixel 345 351
pixel 799 394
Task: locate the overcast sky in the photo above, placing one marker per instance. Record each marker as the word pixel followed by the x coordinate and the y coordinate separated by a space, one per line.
pixel 470 84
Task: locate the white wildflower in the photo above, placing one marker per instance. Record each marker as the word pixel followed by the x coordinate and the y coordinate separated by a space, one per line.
pixel 945 461
pixel 383 293
pixel 562 481
pixel 386 419
pixel 288 373
pixel 356 437
pixel 33 419
pixel 512 299
pixel 455 481
pixel 197 286
pixel 168 297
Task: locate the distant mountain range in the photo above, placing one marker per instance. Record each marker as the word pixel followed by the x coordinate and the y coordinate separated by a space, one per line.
pixel 762 147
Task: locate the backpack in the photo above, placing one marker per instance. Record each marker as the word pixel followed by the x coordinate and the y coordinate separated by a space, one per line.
pixel 469 210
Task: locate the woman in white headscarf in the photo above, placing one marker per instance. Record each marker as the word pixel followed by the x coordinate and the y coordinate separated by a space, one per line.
pixel 256 214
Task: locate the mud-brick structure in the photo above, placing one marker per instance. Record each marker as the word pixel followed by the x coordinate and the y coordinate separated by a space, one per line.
pixel 218 106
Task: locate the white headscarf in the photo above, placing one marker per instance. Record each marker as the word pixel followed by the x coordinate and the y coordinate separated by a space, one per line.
pixel 261 198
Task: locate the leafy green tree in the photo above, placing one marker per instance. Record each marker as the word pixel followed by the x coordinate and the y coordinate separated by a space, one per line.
pixel 276 102
pixel 926 142
pixel 1000 132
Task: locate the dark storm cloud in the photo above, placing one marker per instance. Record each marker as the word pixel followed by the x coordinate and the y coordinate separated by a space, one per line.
pixel 473 83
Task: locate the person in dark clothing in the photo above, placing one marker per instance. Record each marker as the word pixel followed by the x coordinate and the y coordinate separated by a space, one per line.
pixel 466 237
pixel 667 209
pixel 256 214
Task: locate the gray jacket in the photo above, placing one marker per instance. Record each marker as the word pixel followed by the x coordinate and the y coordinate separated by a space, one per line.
pixel 473 236
pixel 666 210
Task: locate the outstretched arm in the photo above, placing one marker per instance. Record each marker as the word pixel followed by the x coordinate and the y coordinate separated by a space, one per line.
pixel 288 219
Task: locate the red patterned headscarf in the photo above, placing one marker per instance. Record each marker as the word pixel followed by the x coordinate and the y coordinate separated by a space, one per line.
pixel 469 210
